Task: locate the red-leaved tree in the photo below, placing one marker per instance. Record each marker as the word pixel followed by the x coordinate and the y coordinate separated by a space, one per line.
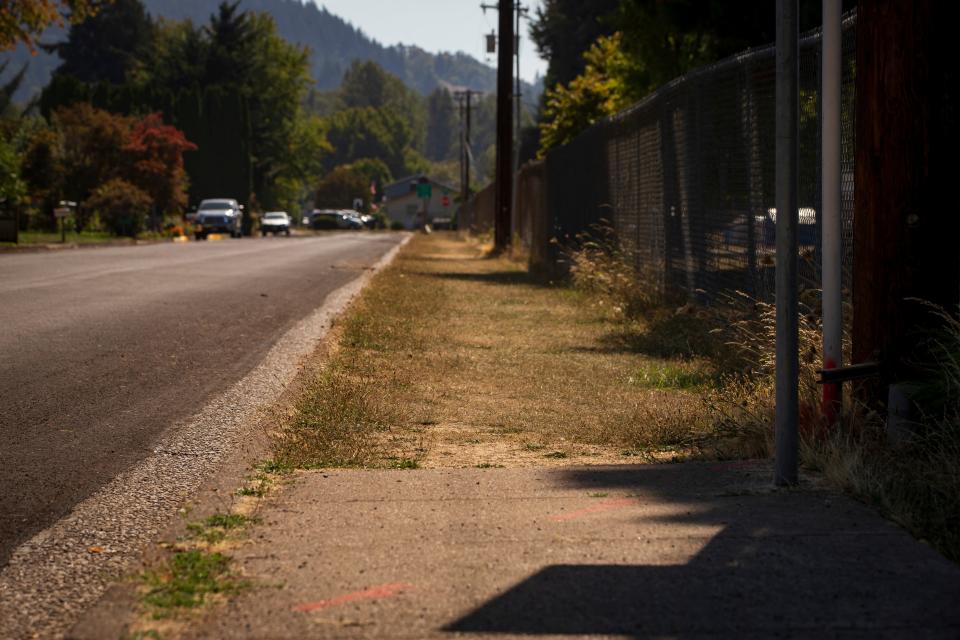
pixel 154 162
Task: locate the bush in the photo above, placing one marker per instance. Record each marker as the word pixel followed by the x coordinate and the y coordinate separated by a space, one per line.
pixel 121 206
pixel 396 226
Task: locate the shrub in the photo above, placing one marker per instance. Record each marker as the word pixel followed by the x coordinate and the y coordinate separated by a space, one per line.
pixel 122 207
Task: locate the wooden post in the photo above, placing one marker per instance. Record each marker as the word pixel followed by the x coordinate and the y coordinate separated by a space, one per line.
pixel 905 225
pixel 504 177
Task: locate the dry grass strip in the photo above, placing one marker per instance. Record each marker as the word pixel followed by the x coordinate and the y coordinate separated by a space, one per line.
pixel 451 358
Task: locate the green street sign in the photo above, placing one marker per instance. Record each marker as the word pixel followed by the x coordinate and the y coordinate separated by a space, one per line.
pixel 425 190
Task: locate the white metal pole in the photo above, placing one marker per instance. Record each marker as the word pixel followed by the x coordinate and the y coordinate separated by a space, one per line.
pixel 832 254
pixel 787 177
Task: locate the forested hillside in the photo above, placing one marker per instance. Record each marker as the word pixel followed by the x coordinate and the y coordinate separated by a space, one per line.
pixel 333 42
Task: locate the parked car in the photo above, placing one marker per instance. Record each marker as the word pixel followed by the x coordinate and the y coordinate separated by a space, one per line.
pixel 331 219
pixel 275 222
pixel 218 215
pixel 354 219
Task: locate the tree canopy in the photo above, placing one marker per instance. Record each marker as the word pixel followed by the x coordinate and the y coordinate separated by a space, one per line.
pixel 108 46
pixel 21 21
pixel 603 55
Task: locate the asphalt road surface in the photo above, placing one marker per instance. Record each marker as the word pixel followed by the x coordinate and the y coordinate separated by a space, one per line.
pixel 101 350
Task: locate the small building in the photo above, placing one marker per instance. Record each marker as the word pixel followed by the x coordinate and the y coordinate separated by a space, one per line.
pixel 404 204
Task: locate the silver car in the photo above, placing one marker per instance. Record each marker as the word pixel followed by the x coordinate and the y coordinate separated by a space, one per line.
pixel 218 215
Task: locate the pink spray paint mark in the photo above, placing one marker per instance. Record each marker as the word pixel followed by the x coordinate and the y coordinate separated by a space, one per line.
pixel 383 591
pixel 606 505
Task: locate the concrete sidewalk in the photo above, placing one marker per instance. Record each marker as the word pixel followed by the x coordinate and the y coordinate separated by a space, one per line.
pixel 693 550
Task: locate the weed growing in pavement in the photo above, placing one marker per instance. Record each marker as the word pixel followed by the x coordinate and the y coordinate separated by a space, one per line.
pixel 598 494
pixel 257 491
pixel 186 580
pixel 218 526
pixel 275 466
pixel 404 463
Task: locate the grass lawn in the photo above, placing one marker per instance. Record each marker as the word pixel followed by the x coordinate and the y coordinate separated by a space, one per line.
pixel 27 238
pixel 451 358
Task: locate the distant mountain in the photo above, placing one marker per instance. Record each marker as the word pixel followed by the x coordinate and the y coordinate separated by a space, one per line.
pixel 334 42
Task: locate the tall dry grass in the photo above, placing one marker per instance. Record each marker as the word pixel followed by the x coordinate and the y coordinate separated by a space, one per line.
pixel 600 267
pixel 916 483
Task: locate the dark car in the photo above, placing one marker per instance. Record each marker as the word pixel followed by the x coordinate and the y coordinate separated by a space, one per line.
pixel 331 219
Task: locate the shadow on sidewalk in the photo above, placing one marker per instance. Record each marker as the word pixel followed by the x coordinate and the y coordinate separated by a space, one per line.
pixel 785 563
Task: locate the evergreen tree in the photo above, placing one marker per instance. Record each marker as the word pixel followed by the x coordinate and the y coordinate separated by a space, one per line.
pixel 109 46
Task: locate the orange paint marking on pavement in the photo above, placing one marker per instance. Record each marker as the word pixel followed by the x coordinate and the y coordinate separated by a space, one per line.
pixel 606 505
pixel 383 591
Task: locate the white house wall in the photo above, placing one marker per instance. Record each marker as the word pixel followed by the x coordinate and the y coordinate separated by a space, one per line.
pixel 406 209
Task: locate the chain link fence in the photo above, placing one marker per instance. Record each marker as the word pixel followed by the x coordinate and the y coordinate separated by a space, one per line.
pixel 686 179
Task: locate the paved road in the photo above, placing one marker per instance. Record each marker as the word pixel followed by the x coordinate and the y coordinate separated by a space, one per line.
pixel 101 350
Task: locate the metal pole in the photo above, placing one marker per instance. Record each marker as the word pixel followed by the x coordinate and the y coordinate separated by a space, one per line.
pixel 831 59
pixel 787 158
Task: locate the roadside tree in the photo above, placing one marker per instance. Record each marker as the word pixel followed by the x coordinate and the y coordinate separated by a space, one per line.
pixel 154 162
pixel 122 207
pixel 340 187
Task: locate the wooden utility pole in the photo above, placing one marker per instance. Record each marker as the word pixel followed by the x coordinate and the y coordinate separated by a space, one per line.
pixel 905 225
pixel 504 176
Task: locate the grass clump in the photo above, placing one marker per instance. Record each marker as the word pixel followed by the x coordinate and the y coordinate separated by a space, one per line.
pixel 672 375
pixel 275 466
pixel 254 491
pixel 336 424
pixel 187 579
pixel 218 526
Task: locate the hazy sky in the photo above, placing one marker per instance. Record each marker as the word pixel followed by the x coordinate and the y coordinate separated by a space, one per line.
pixel 435 25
